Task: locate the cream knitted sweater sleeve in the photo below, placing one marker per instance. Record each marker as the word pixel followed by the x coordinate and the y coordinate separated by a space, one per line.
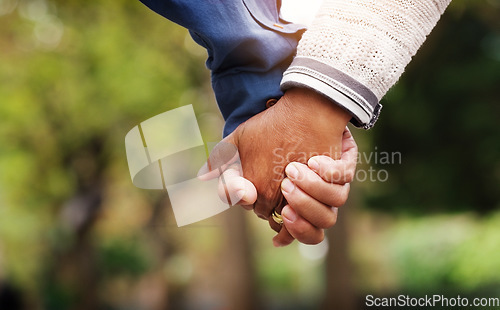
pixel 355 50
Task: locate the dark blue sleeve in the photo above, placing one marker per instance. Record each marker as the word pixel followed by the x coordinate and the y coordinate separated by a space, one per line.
pixel 248 48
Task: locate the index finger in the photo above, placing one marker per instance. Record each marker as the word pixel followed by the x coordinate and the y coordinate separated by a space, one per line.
pixel 222 156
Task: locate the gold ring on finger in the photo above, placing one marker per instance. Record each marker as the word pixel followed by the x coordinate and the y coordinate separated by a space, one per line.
pixel 277 217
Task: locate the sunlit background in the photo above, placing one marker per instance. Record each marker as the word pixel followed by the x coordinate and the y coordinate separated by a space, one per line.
pixel 75 233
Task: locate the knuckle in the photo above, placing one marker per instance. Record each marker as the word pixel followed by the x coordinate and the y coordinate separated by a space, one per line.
pixel 261 212
pixel 336 195
pixel 349 175
pixel 335 175
pixel 300 232
pixel 317 238
pixel 339 201
pixel 340 198
pixel 344 195
pixel 277 228
pixel 329 221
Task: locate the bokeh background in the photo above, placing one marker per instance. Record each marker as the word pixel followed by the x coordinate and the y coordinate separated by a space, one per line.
pixel 75 233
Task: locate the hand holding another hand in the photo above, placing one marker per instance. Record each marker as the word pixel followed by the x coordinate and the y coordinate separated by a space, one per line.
pixel 301 125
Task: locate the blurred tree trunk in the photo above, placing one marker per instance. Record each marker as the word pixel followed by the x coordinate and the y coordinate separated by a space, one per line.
pixel 154 291
pixel 74 272
pixel 75 269
pixel 340 292
pixel 237 263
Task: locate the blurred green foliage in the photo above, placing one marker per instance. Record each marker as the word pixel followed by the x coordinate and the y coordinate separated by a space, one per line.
pixel 456 253
pixel 75 77
pixel 442 116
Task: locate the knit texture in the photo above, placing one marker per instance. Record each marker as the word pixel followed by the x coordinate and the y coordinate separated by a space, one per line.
pixel 372 41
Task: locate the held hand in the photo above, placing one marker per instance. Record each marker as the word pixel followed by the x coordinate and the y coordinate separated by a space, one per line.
pixel 317 190
pixel 301 125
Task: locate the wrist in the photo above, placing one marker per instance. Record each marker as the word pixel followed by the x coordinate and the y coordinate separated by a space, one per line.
pixel 313 109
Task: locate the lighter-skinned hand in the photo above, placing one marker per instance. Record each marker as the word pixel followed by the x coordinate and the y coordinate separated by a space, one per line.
pixel 314 193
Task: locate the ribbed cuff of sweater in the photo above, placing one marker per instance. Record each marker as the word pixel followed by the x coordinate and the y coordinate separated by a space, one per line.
pixel 342 89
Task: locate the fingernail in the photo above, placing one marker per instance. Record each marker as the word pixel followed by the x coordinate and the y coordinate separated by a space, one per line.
pixel 277 244
pixel 313 164
pixel 291 171
pixel 289 214
pixel 287 186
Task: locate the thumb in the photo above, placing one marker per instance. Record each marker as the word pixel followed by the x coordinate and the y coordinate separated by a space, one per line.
pixel 224 154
